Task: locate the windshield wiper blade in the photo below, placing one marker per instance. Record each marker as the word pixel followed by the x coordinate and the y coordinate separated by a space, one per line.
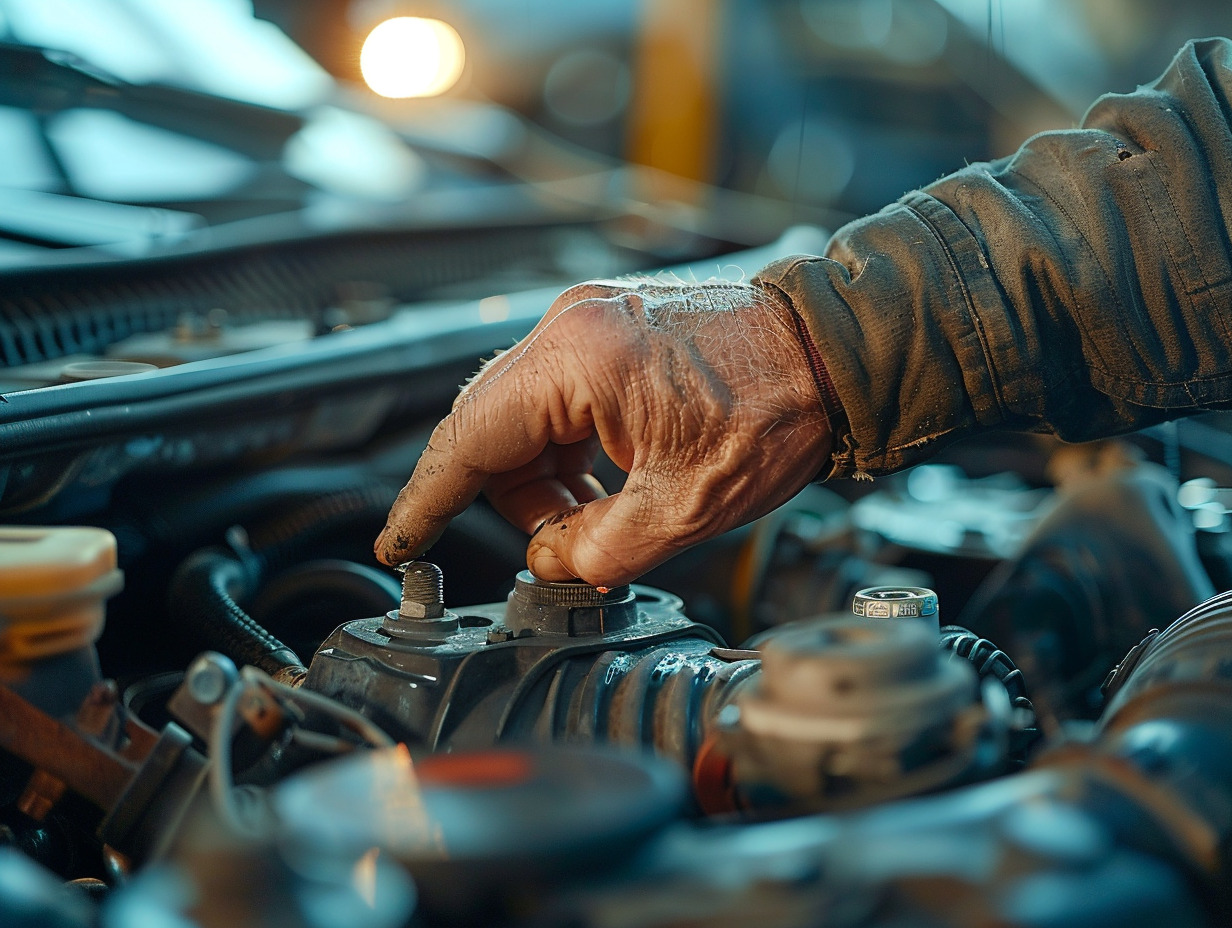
pixel 47 81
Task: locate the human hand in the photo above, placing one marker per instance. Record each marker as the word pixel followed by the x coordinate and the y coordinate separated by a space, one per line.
pixel 702 393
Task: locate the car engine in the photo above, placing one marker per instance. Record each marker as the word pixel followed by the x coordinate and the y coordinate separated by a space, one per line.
pixel 993 690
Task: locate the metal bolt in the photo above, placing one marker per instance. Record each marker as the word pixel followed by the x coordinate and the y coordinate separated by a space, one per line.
pixel 423 591
pixel 498 634
pixel 209 678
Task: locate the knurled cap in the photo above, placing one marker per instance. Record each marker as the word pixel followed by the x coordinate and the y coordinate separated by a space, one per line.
pixel 895 602
pixel 530 589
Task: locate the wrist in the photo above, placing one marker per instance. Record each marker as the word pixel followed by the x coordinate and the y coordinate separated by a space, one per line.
pixel 831 405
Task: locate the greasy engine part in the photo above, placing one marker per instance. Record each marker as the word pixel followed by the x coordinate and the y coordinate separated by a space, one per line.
pixel 1115 557
pixel 557 662
pixel 57 715
pixel 1130 830
pixel 850 711
pixel 832 714
pixel 1164 747
pixel 1169 716
pixel 143 785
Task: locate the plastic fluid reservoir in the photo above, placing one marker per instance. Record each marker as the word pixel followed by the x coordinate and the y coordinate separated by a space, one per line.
pixel 53 586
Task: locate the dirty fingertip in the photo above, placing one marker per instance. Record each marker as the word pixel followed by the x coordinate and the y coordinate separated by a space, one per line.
pixel 545 564
pixel 397 544
pixel 392 547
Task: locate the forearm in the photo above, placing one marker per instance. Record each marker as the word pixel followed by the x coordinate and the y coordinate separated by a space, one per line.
pixel 1083 286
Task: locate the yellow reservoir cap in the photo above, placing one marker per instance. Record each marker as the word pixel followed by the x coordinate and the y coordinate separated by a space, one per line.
pixel 53 584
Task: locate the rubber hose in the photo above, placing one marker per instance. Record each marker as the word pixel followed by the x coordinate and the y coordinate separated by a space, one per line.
pixel 205 594
pixel 988 660
pixel 308 601
pixel 209 586
pixel 278 541
pixel 188 521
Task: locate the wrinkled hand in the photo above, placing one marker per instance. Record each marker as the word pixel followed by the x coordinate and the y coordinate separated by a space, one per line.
pixel 700 392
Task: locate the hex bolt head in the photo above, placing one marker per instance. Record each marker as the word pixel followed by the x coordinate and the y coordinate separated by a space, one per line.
pixel 499 634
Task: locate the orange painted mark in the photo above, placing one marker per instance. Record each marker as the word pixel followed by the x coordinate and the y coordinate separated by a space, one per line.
pixel 478 770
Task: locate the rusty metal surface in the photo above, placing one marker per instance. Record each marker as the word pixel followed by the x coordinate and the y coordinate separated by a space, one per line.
pixel 61 752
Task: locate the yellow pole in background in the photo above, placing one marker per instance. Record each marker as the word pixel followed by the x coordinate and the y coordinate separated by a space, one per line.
pixel 674 119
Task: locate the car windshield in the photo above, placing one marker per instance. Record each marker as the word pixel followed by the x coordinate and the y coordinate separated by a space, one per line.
pixel 212 46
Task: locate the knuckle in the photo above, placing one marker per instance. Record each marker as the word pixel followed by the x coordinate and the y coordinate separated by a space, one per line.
pixel 595 564
pixel 445 435
pixel 589 290
pixel 602 302
pixel 593 314
pixel 608 332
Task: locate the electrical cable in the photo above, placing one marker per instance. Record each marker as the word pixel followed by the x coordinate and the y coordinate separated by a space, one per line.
pixel 251 819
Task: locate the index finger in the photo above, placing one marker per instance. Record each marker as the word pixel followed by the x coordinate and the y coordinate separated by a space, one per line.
pixel 502 421
pixel 483 435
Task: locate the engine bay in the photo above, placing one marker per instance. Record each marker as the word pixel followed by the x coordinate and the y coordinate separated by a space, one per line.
pixel 939 698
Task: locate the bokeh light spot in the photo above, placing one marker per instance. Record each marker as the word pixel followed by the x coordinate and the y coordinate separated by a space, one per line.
pixel 409 56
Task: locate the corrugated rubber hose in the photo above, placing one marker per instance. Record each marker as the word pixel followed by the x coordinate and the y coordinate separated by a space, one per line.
pixel 210 586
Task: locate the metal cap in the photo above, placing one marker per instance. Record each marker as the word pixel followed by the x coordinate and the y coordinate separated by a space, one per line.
pixel 576 609
pixel 897 602
pixel 532 590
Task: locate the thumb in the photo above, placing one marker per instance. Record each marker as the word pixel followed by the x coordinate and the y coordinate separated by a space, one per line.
pixel 607 542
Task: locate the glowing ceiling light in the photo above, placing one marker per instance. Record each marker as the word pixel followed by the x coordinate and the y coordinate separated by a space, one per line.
pixel 412 57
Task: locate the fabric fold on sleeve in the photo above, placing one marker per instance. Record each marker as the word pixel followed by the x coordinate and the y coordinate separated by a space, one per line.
pixel 1082 286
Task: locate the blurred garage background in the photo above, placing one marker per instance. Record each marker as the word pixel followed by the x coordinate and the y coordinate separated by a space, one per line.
pixel 777 111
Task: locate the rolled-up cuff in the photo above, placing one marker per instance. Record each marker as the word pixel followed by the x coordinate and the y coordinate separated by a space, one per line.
pixel 892 313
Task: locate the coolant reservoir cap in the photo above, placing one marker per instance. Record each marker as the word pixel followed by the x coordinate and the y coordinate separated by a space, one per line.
pixel 53 582
pixel 53 561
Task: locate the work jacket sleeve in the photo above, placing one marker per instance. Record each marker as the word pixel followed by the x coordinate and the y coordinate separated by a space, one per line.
pixel 1082 286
